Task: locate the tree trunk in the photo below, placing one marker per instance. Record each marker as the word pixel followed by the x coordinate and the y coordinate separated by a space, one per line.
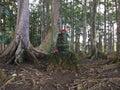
pixel 118 29
pixel 85 24
pixel 42 21
pixel 93 30
pixel 105 46
pixel 77 43
pixel 72 29
pixel 89 32
pixel 47 15
pixel 23 23
pixel 50 40
pixel 55 18
pixel 0 33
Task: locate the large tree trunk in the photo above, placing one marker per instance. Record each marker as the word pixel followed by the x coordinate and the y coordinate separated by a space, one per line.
pixel 23 23
pixel 55 17
pixel 47 15
pixel 20 48
pixel 50 40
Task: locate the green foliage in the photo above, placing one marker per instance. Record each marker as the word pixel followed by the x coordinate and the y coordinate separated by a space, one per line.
pixel 6 39
pixel 4 10
pixel 72 14
pixel 35 25
pixel 7 21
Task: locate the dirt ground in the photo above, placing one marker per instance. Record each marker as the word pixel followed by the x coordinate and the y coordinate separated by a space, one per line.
pixel 92 75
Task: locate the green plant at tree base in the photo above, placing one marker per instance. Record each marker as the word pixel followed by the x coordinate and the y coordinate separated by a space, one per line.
pixel 63 61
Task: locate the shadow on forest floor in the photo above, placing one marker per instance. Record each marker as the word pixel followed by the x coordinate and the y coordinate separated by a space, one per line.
pixel 93 75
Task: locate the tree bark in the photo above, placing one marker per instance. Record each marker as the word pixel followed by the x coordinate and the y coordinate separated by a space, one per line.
pixel 105 46
pixel 85 24
pixel 72 28
pixel 55 18
pixel 23 22
pixel 43 20
pixel 118 29
pixel 93 30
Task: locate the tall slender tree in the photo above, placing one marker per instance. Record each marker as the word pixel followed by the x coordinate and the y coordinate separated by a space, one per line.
pixel 118 29
pixel 105 5
pixel 85 25
pixel 93 30
pixel 72 27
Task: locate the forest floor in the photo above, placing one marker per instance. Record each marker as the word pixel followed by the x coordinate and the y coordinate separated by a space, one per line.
pixel 92 75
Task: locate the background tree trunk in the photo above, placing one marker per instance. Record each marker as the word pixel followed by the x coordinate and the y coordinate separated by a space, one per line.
pixel 93 30
pixel 72 29
pixel 105 26
pixel 85 25
pixel 118 29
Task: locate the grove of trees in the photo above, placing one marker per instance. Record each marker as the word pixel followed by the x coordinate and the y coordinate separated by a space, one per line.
pixel 93 27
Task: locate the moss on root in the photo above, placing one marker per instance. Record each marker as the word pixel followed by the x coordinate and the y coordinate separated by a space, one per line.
pixel 63 61
pixel 31 57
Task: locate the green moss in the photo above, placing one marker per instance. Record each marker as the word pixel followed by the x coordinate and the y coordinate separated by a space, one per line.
pixel 47 44
pixel 64 61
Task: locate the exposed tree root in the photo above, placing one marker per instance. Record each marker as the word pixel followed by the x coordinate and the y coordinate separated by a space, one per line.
pixel 4 79
pixel 31 57
pixel 18 52
pixel 5 82
pixel 95 84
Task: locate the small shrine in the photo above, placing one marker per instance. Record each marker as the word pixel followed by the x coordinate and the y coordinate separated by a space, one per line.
pixel 62 56
pixel 62 44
